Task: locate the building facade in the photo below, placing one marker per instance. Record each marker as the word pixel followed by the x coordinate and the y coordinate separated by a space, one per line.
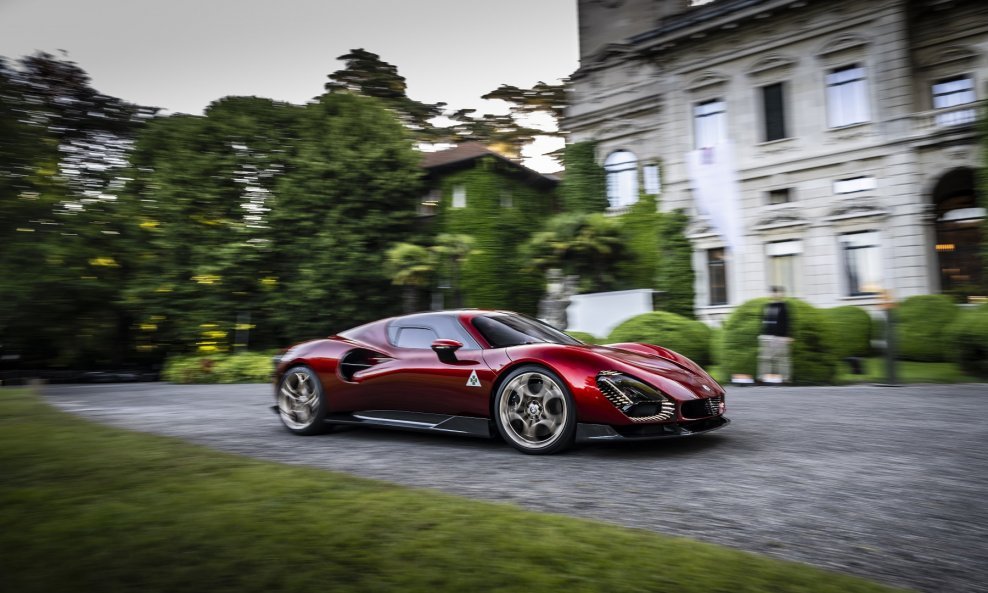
pixel 845 131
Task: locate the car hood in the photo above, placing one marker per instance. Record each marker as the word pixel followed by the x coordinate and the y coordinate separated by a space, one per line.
pixel 664 363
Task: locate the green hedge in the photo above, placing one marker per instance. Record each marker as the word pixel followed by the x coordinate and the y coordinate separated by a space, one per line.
pixel 968 335
pixel 244 367
pixel 813 354
pixel 851 329
pixel 920 327
pixel 685 336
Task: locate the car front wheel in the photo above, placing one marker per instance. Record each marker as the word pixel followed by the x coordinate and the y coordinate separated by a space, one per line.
pixel 534 411
pixel 301 404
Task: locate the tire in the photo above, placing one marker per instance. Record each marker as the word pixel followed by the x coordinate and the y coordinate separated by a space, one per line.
pixel 534 411
pixel 301 401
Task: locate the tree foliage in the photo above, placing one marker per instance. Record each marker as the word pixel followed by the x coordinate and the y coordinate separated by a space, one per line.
pixel 62 147
pixel 268 210
pixel 542 97
pixel 367 74
pixel 591 246
pixel 500 132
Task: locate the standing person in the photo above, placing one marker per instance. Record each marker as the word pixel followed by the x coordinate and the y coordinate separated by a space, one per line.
pixel 774 341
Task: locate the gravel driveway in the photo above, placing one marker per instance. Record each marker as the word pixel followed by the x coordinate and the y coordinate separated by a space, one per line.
pixel 886 483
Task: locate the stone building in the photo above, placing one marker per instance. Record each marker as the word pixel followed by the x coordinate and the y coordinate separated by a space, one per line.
pixel 845 132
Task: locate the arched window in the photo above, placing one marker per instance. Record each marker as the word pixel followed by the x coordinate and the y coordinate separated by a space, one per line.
pixel 622 178
pixel 958 233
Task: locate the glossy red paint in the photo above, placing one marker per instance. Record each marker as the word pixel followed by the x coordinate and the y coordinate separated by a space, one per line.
pixel 415 379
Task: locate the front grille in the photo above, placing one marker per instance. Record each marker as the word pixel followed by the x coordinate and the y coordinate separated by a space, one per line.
pixel 702 408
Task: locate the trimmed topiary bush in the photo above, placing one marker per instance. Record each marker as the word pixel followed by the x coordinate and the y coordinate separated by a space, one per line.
pixel 243 367
pixel 717 345
pixel 968 335
pixel 851 329
pixel 812 353
pixel 920 327
pixel 685 336
pixel 584 337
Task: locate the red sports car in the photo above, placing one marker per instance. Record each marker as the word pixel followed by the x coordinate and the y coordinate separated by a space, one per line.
pixel 493 372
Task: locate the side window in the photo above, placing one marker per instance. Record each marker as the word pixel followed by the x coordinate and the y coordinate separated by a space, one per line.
pixel 415 337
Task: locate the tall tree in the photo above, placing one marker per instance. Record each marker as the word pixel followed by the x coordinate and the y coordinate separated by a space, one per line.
pixel 545 98
pixel 200 202
pixel 61 156
pixel 502 133
pixel 351 193
pixel 367 74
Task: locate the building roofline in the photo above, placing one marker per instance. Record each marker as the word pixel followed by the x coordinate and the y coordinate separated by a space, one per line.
pixel 465 154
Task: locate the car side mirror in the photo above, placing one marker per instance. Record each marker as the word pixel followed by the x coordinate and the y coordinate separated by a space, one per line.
pixel 446 350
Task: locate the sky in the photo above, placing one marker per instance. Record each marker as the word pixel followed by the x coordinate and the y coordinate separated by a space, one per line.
pixel 182 54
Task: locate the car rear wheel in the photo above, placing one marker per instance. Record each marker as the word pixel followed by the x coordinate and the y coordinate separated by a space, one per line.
pixel 301 404
pixel 534 411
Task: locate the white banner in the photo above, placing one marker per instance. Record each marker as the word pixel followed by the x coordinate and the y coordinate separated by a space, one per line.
pixel 714 178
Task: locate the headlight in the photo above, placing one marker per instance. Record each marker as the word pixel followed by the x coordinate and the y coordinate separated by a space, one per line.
pixel 636 399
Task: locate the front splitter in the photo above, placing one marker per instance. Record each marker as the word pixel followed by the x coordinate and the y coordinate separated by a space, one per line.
pixel 604 432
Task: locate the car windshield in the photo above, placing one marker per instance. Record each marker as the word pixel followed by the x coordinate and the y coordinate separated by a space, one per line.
pixel 507 329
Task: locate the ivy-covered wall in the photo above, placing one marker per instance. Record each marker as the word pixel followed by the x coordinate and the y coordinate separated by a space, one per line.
pixel 501 213
pixel 584 188
pixel 642 224
pixel 676 274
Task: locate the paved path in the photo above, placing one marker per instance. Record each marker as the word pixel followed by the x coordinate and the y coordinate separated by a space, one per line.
pixel 887 483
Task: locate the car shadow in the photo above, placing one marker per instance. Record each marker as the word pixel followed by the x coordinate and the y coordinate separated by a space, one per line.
pixel 652 448
pixel 699 444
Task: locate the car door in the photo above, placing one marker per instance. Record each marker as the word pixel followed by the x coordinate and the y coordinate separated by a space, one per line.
pixel 418 381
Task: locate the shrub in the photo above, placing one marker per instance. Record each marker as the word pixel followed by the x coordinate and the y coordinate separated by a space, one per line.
pixel 584 337
pixel 717 345
pixel 851 329
pixel 969 337
pixel 812 354
pixel 685 336
pixel 920 324
pixel 243 367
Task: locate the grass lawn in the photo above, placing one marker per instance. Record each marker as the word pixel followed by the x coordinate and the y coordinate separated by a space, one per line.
pixel 84 507
pixel 905 372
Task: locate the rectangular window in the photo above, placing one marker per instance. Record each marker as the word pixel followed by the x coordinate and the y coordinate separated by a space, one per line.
pixel 779 196
pixel 783 260
pixel 862 265
pixel 951 92
pixel 773 109
pixel 653 183
pixel 717 276
pixel 847 96
pixel 854 184
pixel 459 196
pixel 710 123
pixel 506 200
